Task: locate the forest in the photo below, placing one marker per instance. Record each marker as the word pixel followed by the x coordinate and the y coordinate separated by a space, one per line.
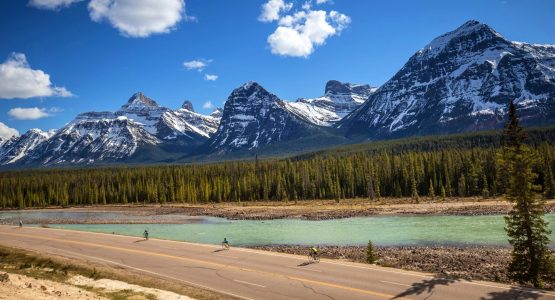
pixel 437 168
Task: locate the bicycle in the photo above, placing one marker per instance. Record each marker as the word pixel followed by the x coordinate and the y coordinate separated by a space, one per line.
pixel 313 257
pixel 225 244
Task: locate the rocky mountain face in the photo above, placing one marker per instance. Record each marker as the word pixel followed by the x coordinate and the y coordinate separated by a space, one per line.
pixel 254 118
pixel 462 81
pixel 16 148
pixel 339 100
pixel 111 136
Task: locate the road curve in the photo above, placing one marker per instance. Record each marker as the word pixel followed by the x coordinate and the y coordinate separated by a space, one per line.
pixel 253 274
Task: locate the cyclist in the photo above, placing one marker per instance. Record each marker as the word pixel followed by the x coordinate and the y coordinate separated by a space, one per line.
pixel 313 253
pixel 225 244
pixel 145 234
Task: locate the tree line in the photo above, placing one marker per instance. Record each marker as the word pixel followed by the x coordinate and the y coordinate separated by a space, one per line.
pixel 438 174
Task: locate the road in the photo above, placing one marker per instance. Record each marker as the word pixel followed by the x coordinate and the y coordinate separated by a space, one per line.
pixel 253 274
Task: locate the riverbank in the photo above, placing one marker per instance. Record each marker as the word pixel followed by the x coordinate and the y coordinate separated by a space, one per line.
pixel 471 263
pixel 306 210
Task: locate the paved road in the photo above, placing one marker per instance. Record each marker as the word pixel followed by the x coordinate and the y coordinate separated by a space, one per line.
pixel 252 274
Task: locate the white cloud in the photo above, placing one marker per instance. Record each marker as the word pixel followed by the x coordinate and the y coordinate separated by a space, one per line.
pixel 32 113
pixel 211 77
pixel 7 132
pixel 197 64
pixel 138 18
pixel 323 1
pixel 272 9
pixel 18 80
pixel 208 105
pixel 298 34
pixel 52 4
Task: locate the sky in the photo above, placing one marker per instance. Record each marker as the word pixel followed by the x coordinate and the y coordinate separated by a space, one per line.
pixel 59 58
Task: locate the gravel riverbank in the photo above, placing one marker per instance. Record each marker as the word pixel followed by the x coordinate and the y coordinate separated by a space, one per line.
pixel 472 263
pixel 306 210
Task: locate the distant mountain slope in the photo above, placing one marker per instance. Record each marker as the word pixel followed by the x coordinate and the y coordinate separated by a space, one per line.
pixel 113 136
pixel 254 118
pixel 461 81
pixel 339 100
pixel 17 148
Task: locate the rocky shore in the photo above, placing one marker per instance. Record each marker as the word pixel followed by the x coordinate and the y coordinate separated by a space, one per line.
pixel 471 263
pixel 306 210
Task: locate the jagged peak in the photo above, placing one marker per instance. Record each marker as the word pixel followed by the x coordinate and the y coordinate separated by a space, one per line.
pixel 217 113
pixel 468 28
pixel 36 131
pixel 139 99
pixel 248 89
pixel 188 105
pixel 338 87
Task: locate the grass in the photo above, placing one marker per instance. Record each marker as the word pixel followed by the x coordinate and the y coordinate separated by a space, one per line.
pixel 60 269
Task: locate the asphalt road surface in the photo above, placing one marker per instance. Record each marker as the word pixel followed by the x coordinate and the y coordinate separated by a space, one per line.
pixel 253 274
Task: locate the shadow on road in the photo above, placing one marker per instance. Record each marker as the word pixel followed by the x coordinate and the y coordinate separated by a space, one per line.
pixel 219 250
pixel 141 240
pixel 306 263
pixel 426 286
pixel 513 294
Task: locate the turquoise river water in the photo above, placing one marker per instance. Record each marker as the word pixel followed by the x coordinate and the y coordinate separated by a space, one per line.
pixel 382 230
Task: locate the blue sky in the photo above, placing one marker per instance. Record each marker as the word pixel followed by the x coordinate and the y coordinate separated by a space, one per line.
pixel 102 56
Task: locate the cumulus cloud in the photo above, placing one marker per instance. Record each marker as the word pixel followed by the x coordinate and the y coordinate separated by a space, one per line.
pixel 197 64
pixel 138 18
pixel 52 4
pixel 18 80
pixel 7 132
pixel 32 113
pixel 323 1
pixel 298 34
pixel 210 77
pixel 208 105
pixel 271 10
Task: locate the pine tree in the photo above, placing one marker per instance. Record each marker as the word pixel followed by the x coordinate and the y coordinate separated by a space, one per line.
pixel 549 183
pixel 442 193
pixel 462 186
pixel 370 190
pixel 485 190
pixel 431 191
pixel 370 256
pixel 528 233
pixel 414 191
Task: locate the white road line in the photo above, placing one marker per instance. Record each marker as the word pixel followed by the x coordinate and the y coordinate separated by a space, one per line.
pixel 226 256
pixel 249 283
pixel 395 283
pixel 305 269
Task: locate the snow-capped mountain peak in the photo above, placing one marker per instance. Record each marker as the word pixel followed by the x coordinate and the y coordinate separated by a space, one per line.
pixel 472 31
pixel 339 100
pixel 17 148
pixel 461 81
pixel 139 101
pixel 253 118
pixel 217 113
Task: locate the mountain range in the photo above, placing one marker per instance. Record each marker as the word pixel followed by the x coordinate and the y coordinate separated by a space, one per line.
pixel 462 81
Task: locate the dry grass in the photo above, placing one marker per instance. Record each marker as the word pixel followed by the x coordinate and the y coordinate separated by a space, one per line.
pixel 60 269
